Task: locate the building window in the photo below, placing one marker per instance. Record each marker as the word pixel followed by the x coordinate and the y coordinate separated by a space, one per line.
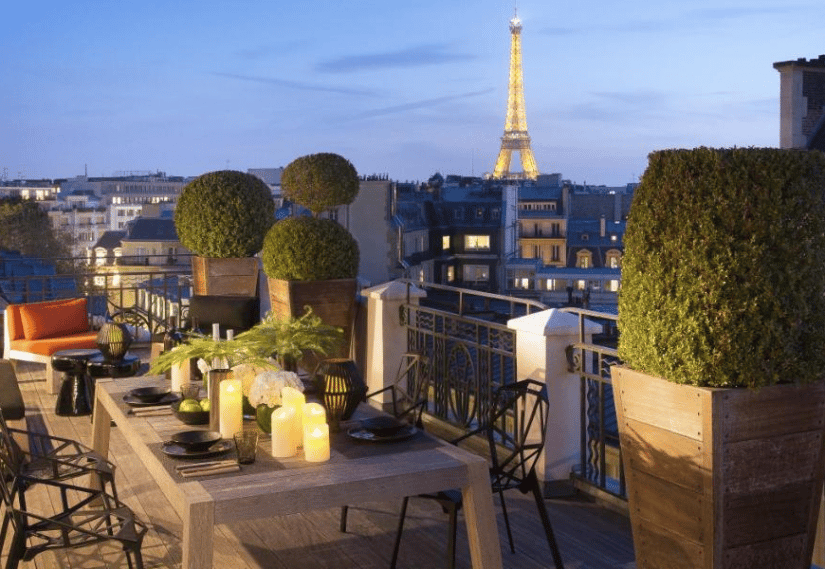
pixel 584 259
pixel 613 259
pixel 495 214
pixel 479 212
pixel 554 256
pixel 476 273
pixel 458 214
pixel 477 242
pixel 450 274
pixel 445 243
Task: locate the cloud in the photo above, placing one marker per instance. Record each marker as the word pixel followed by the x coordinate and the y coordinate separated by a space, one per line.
pixel 296 84
pixel 425 103
pixel 417 56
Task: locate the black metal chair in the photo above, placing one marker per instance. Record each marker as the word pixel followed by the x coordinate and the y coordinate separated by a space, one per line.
pixel 56 458
pixel 515 432
pixel 410 392
pixel 89 516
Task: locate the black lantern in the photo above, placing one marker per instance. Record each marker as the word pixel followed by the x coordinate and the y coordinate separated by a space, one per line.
pixel 113 340
pixel 340 389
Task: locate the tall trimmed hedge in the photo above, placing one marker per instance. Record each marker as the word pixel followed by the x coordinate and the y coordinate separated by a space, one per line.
pixel 723 274
pixel 224 214
pixel 320 181
pixel 309 249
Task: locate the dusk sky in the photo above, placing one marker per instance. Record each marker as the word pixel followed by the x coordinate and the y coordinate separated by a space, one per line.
pixel 399 88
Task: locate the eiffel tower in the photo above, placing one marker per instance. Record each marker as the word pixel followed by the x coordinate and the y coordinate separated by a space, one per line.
pixel 515 127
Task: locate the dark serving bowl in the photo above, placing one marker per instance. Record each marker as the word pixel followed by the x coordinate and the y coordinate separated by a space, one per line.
pixel 196 441
pixel 383 426
pixel 190 417
pixel 150 394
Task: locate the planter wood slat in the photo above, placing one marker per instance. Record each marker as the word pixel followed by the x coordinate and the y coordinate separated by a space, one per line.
pixel 721 477
pixel 225 277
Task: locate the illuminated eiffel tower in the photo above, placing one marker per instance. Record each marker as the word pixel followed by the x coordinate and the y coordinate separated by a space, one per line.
pixel 515 127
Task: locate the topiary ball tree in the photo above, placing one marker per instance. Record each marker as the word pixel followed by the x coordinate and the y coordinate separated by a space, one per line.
pixel 224 214
pixel 309 249
pixel 320 181
pixel 723 273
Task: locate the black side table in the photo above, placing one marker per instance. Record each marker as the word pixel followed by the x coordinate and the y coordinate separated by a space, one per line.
pixel 75 397
pixel 98 366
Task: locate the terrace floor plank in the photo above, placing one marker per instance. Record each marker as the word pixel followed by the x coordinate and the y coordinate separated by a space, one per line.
pixel 589 536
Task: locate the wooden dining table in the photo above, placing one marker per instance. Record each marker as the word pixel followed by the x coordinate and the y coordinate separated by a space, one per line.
pixel 356 472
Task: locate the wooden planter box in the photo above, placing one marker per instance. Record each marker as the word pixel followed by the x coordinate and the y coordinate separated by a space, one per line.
pixel 225 277
pixel 720 477
pixel 332 300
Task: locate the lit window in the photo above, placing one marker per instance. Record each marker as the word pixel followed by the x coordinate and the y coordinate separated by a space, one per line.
pixel 476 273
pixel 584 259
pixel 450 274
pixel 477 242
pixel 445 242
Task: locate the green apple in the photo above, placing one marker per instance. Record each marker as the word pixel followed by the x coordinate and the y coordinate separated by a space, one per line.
pixel 205 405
pixel 189 406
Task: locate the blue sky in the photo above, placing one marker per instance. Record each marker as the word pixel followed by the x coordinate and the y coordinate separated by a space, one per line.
pixel 399 88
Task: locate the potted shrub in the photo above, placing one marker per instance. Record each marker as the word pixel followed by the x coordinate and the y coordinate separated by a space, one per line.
pixel 721 399
pixel 222 218
pixel 312 261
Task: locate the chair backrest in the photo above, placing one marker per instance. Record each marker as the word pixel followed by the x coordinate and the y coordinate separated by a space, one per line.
pixel 411 388
pixel 516 431
pixel 11 459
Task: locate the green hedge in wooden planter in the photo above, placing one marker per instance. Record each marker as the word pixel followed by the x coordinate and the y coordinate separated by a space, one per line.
pixel 723 274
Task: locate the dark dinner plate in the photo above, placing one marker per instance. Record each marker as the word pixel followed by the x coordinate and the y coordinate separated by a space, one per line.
pixel 362 434
pixel 165 400
pixel 178 451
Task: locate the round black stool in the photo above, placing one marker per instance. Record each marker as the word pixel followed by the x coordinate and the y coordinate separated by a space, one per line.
pixel 99 366
pixel 75 397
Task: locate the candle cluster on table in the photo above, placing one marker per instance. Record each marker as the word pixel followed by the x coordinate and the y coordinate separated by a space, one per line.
pixel 298 423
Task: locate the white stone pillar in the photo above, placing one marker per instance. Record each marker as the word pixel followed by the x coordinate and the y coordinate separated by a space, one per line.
pixel 541 342
pixel 386 337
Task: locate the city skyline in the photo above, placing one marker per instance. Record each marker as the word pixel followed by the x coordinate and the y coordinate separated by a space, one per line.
pixel 403 90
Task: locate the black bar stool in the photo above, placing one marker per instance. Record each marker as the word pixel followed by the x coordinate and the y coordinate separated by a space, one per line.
pixel 75 397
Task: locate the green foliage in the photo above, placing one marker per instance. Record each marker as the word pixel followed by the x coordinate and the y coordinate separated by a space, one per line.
pixel 309 249
pixel 224 214
pixel 289 337
pixel 26 228
pixel 722 276
pixel 231 353
pixel 320 181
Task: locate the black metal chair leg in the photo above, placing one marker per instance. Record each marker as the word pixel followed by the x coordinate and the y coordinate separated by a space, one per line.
pixel 506 521
pixel 545 520
pixel 453 511
pixel 400 529
pixel 343 526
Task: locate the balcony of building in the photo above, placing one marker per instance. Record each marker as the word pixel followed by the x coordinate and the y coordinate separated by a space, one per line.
pixel 474 342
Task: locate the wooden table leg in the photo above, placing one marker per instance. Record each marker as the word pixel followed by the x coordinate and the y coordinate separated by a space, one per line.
pixel 480 518
pixel 101 429
pixel 198 529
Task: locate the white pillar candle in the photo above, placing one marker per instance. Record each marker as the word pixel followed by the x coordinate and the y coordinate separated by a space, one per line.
pixel 181 375
pixel 291 397
pixel 283 432
pixel 231 402
pixel 230 334
pixel 314 414
pixel 316 443
pixel 216 331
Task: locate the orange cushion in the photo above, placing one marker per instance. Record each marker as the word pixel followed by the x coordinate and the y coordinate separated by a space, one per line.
pixel 48 346
pixel 47 319
pixel 13 315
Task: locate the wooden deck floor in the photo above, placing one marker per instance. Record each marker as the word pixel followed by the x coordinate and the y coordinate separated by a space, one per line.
pixel 589 536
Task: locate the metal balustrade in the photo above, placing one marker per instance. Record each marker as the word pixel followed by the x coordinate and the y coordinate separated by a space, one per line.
pixel 600 463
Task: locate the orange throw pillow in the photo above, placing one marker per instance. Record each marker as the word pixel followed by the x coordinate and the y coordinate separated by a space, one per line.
pixel 48 320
